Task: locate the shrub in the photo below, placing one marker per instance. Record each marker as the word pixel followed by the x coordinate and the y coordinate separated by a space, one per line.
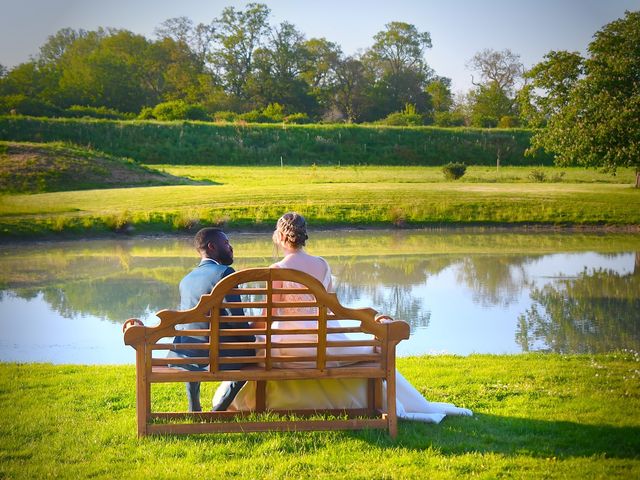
pixel 225 116
pixel 509 121
pixel 299 118
pixel 274 111
pixel 146 114
pixel 448 119
pixel 255 116
pixel 179 110
pixel 406 118
pixel 484 121
pixel 537 175
pixel 196 112
pixel 23 105
pixel 94 112
pixel 454 171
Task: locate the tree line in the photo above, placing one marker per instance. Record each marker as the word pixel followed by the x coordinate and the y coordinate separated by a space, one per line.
pixel 239 66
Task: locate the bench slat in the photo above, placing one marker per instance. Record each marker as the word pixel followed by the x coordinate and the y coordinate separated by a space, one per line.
pixel 180 346
pixel 279 426
pixel 263 291
pixel 180 361
pixel 248 291
pixel 261 345
pixel 261 304
pixel 226 415
pixel 167 375
pixel 188 333
pixel 229 332
pixel 306 304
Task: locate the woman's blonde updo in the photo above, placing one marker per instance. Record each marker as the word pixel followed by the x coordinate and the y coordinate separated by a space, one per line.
pixel 291 231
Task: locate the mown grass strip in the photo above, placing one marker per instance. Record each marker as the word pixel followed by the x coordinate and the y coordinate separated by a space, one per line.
pixel 176 208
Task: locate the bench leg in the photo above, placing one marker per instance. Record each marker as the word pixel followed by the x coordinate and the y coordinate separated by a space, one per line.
pixel 392 416
pixel 261 395
pixel 143 394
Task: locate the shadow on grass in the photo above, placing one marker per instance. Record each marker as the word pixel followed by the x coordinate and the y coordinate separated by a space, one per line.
pixel 514 436
pixel 507 436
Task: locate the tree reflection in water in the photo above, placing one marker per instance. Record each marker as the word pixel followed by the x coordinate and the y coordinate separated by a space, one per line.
pixel 493 279
pixel 387 285
pixel 596 311
pixel 599 311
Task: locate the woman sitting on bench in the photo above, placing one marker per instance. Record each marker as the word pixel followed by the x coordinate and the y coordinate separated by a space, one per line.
pixel 290 236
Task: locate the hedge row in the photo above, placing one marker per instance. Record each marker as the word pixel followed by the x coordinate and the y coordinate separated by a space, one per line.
pixel 203 143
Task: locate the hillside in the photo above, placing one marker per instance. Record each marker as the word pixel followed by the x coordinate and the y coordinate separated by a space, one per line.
pixel 207 143
pixel 53 167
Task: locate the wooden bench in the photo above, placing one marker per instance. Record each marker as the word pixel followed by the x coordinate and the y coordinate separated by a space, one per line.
pixel 364 328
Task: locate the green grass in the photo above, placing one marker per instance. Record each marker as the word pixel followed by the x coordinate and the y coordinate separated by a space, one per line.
pixel 206 143
pixel 264 176
pixel 253 197
pixel 536 416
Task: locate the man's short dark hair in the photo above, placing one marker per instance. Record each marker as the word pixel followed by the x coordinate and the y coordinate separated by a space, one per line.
pixel 206 235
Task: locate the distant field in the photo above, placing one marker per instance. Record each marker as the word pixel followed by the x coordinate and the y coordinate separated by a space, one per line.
pixel 254 197
pixel 386 174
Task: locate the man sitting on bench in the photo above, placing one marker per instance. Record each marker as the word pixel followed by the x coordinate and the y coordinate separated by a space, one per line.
pixel 216 257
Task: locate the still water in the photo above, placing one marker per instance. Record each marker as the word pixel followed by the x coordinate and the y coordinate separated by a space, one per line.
pixel 462 293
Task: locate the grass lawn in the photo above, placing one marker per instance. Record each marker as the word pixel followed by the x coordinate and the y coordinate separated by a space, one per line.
pixel 343 196
pixel 262 176
pixel 536 416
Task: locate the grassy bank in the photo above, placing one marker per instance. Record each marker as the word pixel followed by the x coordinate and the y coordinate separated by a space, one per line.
pixel 51 167
pixel 536 416
pixel 254 197
pixel 264 144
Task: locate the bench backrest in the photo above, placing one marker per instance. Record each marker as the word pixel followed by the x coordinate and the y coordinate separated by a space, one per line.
pixel 330 335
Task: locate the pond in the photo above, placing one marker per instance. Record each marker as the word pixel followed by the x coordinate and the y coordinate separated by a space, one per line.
pixel 461 292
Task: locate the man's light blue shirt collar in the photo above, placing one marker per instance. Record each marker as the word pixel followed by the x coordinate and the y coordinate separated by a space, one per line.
pixel 205 260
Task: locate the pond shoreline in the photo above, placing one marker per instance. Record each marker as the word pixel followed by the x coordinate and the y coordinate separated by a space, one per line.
pixel 132 233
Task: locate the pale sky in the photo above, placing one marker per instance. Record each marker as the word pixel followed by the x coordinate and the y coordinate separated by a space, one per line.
pixel 458 29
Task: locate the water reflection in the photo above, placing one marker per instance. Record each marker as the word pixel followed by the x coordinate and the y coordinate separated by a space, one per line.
pixel 461 293
pixel 598 311
pixel 495 280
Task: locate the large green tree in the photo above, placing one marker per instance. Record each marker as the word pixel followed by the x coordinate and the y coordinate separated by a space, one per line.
pixel 489 104
pixel 502 68
pixel 351 89
pixel 401 72
pixel 239 34
pixel 113 69
pixel 592 107
pixel 198 38
pixel 439 92
pixel 558 73
pixel 278 70
pixel 319 72
pixel 494 95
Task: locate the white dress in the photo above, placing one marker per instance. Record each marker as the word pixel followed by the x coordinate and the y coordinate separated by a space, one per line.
pixel 330 393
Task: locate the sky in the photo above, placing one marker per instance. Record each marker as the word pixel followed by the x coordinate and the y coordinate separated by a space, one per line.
pixel 459 29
